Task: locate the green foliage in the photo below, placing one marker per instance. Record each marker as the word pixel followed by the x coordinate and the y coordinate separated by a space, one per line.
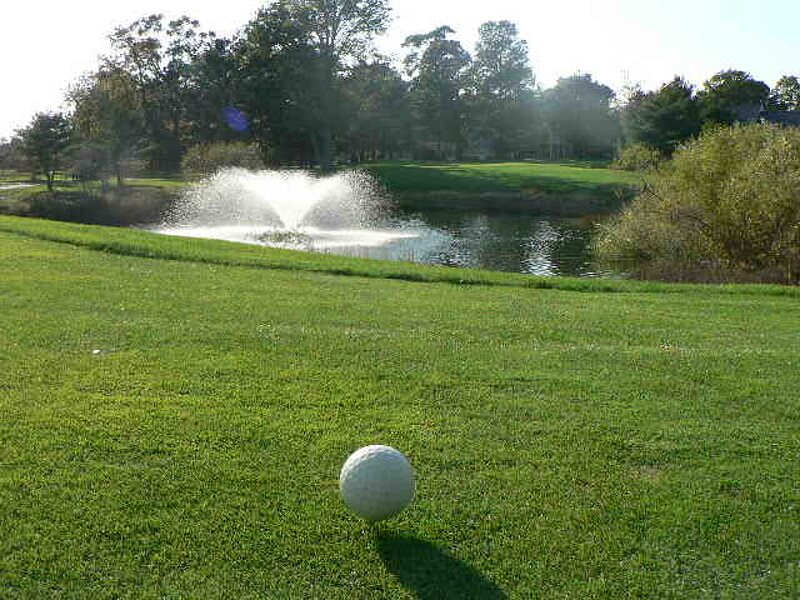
pixel 13 157
pixel 580 117
pixel 438 68
pixel 323 36
pixel 45 142
pixel 214 82
pixel 109 122
pixel 663 119
pixel 309 88
pixel 786 94
pixel 726 207
pixel 158 57
pixel 279 85
pixel 732 96
pixel 377 99
pixel 502 112
pixel 292 57
pixel 174 427
pixel 501 69
pixel 210 158
pixel 638 157
pixel 342 30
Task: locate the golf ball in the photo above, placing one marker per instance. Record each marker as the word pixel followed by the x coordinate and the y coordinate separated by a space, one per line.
pixel 376 482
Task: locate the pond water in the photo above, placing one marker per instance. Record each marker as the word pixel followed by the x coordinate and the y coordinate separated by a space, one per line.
pixel 14 186
pixel 515 243
pixel 348 214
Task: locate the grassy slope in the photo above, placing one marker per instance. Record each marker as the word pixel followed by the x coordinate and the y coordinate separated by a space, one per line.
pixel 410 179
pixel 544 188
pixel 17 201
pixel 497 177
pixel 567 444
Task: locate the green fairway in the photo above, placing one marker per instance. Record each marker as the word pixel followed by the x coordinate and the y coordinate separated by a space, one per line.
pixel 175 414
pixel 526 187
pixel 536 188
pixel 498 177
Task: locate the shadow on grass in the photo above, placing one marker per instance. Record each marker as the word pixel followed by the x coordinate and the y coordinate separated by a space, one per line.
pixel 430 573
pixel 546 178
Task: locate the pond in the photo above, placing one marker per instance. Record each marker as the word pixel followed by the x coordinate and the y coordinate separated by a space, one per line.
pixel 516 243
pixel 347 214
pixel 488 240
pixel 5 187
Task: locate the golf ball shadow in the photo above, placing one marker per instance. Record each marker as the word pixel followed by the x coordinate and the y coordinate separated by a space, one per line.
pixel 430 572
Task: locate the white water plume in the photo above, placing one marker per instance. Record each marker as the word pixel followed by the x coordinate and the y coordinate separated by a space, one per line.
pixel 290 209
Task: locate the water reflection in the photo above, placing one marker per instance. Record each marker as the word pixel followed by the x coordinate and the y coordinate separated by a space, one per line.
pixel 515 243
pixel 495 241
pixel 351 214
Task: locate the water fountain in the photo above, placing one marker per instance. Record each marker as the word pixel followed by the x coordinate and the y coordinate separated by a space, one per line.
pixel 289 209
pixel 350 214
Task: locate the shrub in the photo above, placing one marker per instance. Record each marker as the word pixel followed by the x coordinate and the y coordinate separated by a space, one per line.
pixel 208 159
pixel 113 206
pixel 638 157
pixel 726 208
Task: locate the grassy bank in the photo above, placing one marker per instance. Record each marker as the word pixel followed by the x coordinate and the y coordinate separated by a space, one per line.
pixel 498 177
pixel 175 413
pixel 139 201
pixel 545 188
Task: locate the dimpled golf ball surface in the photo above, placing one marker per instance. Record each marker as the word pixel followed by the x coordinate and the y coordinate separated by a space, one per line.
pixel 376 482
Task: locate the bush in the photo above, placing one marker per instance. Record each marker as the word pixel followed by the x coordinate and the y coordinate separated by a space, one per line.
pixel 638 157
pixel 140 205
pixel 726 208
pixel 208 159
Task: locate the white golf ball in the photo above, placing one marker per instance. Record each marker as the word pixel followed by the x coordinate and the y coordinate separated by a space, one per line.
pixel 377 482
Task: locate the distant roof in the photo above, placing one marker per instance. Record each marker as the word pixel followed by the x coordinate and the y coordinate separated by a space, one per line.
pixel 781 117
pixel 755 113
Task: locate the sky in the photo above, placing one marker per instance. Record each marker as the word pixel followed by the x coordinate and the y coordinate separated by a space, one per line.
pixel 45 45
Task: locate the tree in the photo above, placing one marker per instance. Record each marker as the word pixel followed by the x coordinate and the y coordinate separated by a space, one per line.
pixel 501 111
pixel 731 96
pixel 109 122
pixel 377 97
pixel 501 69
pixel 313 41
pixel 212 94
pixel 663 119
pixel 277 90
pixel 341 31
pixel 438 68
pixel 158 57
pixel 45 142
pixel 12 155
pixel 580 118
pixel 786 94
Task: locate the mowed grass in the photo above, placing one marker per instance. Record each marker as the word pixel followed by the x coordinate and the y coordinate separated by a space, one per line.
pixel 586 184
pixel 553 178
pixel 175 414
pixel 403 176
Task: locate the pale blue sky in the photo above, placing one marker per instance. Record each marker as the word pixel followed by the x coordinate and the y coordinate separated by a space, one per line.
pixel 45 45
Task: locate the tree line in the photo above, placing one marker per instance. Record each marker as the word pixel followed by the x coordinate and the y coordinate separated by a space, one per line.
pixel 666 118
pixel 303 83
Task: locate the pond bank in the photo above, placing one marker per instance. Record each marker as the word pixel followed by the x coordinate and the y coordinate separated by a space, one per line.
pixel 114 206
pixel 523 202
pixel 544 189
